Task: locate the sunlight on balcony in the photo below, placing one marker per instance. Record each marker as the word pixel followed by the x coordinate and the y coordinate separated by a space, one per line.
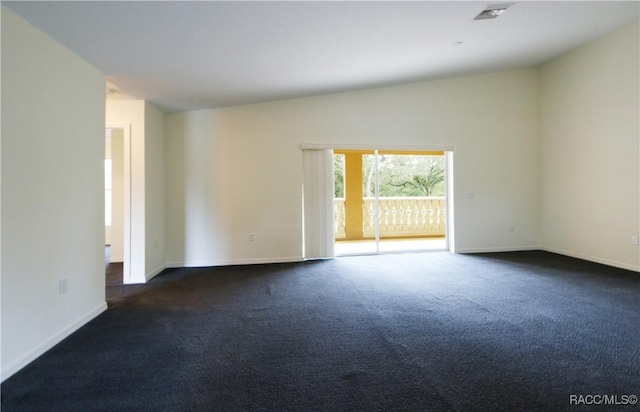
pixel 362 247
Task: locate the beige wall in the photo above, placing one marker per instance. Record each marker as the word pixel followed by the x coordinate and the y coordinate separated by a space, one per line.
pixel 235 171
pixel 154 194
pixel 107 156
pixel 117 195
pixel 52 192
pixel 590 202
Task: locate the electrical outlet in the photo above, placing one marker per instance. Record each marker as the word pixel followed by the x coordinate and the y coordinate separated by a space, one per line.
pixel 513 228
pixel 252 237
pixel 634 240
pixel 63 285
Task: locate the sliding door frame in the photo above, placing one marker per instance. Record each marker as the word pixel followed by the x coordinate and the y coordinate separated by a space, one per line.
pixel 448 170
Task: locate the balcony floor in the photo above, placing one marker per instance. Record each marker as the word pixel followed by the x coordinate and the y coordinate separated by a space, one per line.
pixel 362 247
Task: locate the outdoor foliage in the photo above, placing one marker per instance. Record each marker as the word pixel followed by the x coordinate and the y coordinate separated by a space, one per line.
pixel 399 175
pixel 338 175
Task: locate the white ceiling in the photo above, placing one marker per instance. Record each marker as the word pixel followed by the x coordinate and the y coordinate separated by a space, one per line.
pixel 194 55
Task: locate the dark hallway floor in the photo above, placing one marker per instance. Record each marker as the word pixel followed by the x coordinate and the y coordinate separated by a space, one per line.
pixel 113 271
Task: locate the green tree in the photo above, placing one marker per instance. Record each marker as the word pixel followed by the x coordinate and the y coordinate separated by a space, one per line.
pixel 423 184
pixel 411 175
pixel 338 175
pixel 398 175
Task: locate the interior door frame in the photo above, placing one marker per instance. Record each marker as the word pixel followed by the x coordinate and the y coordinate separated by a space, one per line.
pixel 126 132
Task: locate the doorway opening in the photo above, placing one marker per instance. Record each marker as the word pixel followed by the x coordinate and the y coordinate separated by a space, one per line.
pixel 388 201
pixel 117 204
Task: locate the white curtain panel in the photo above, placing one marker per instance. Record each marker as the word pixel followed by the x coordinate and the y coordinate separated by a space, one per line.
pixel 318 203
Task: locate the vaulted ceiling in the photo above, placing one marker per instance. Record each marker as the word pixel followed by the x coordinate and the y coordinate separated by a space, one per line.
pixel 192 55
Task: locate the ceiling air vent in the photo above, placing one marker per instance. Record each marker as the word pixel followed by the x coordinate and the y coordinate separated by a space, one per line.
pixel 493 10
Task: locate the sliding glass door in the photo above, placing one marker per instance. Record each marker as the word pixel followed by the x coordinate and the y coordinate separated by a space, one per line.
pixel 353 170
pixel 389 201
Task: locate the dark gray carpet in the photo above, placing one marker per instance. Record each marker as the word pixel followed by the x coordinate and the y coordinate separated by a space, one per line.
pixel 414 332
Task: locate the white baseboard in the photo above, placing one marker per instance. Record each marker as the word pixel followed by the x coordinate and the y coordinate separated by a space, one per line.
pixel 155 272
pixel 603 261
pixel 116 259
pixel 31 355
pixel 233 262
pixel 497 249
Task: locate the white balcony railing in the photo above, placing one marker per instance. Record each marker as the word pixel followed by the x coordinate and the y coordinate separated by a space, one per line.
pixel 399 216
